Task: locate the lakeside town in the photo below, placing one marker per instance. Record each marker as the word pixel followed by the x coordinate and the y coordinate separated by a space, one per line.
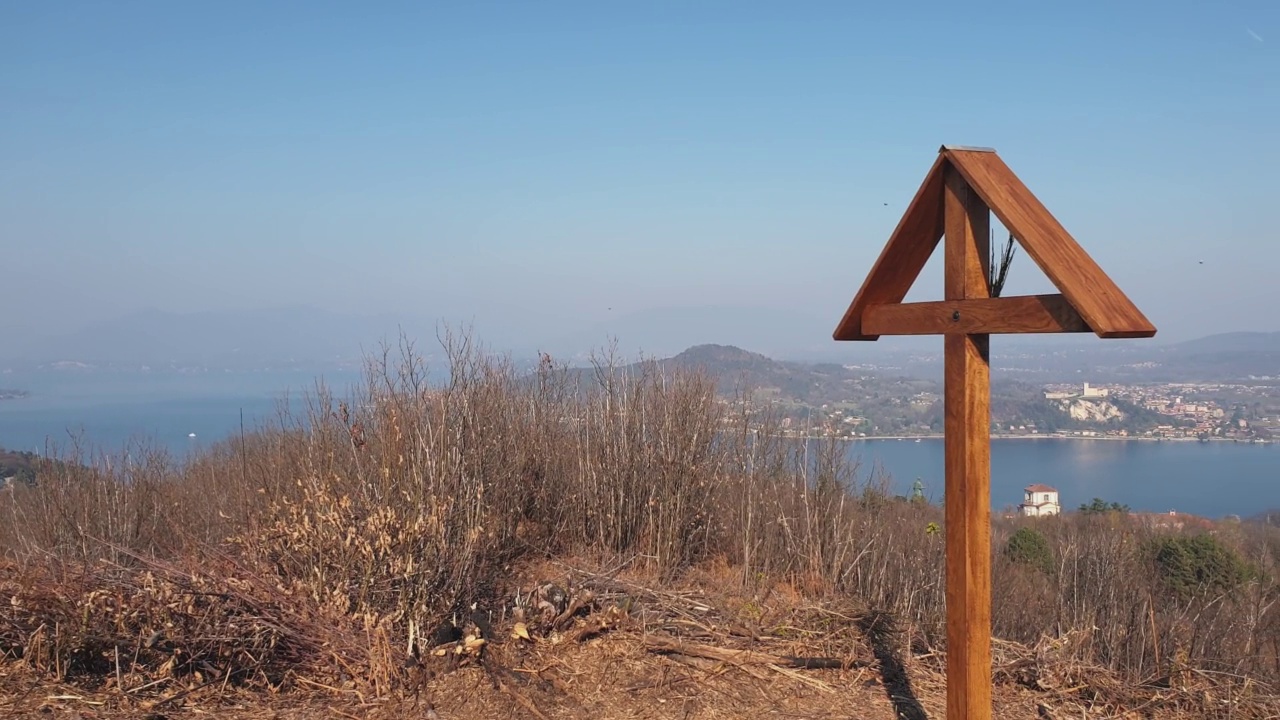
pixel 1203 412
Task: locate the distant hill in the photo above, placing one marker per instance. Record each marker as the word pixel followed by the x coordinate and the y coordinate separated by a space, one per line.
pixel 710 336
pixel 666 331
pixel 815 383
pixel 725 359
pixel 1235 342
pixel 1226 356
pixel 19 466
pixel 888 399
pixel 733 369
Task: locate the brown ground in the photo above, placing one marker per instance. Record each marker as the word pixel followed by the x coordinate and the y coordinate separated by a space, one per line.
pixel 611 677
pixel 699 650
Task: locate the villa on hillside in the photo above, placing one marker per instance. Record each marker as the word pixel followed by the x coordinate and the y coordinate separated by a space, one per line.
pixel 1091 393
pixel 1039 500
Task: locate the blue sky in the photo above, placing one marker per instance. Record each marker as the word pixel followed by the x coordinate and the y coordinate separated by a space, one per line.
pixel 538 168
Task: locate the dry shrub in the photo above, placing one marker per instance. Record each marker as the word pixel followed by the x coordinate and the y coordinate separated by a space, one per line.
pixel 89 506
pixel 649 464
pixel 1107 581
pixel 807 512
pixel 408 499
pixel 158 624
pixel 405 498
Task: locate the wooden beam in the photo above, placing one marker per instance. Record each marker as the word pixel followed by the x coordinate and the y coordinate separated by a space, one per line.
pixel 1102 304
pixel 1019 314
pixel 968 461
pixel 903 257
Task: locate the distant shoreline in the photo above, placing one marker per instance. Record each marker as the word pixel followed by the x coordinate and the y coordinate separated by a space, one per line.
pixel 1112 438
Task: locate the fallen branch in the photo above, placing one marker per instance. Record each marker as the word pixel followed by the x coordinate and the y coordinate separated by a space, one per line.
pixel 598 624
pixel 580 601
pixel 800 677
pixel 749 657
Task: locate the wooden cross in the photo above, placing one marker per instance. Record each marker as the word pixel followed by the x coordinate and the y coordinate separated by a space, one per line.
pixel 961 190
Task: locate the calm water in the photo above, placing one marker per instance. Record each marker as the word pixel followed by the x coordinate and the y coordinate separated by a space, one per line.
pixel 106 412
pixel 1212 479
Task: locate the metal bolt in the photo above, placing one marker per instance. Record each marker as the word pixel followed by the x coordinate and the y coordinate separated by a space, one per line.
pixel 955 315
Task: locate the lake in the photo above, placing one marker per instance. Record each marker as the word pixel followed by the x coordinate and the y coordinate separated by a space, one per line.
pixel 1211 479
pixel 107 411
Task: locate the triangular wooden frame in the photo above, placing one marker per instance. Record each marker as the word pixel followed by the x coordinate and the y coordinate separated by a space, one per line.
pixel 956 199
pixel 1089 300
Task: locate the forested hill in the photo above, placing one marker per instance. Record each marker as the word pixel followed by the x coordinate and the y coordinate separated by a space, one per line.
pixel 734 368
pixel 20 466
pixel 885 400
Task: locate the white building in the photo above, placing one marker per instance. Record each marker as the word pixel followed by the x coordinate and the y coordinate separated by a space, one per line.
pixel 1039 500
pixel 1089 392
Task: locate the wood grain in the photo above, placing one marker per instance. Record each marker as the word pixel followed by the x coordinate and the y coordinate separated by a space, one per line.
pixel 994 316
pixel 968 461
pixel 903 257
pixel 1107 310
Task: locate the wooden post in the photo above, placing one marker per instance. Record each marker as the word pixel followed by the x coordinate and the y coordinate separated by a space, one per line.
pixel 968 460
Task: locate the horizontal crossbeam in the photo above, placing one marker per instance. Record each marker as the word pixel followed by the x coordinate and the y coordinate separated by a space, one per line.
pixel 994 316
pixel 1092 293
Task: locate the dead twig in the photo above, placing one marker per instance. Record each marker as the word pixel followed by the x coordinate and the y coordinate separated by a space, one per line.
pixel 743 657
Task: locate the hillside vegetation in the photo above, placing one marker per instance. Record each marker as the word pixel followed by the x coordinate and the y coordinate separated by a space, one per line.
pixel 889 403
pixel 372 550
pixel 18 466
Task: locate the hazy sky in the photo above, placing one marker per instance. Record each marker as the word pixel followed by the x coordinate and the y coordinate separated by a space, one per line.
pixel 540 167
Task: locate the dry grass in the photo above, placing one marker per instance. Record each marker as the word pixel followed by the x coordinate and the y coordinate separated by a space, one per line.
pixel 633 645
pixel 313 558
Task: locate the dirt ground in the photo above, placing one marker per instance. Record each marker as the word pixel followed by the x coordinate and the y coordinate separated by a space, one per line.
pixel 609 677
pixel 617 647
